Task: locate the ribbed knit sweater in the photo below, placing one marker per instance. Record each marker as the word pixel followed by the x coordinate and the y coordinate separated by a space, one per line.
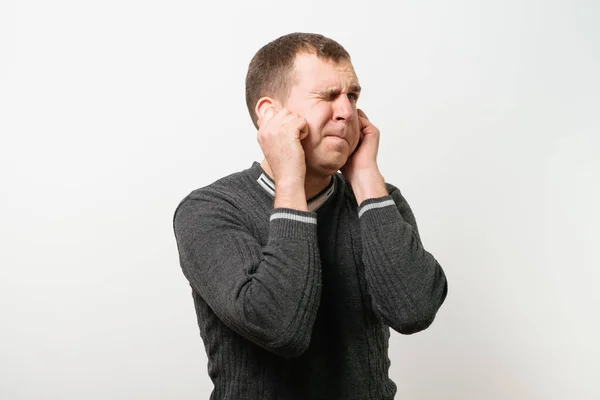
pixel 298 305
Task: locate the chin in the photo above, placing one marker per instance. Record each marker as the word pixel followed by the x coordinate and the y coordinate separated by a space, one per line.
pixel 328 167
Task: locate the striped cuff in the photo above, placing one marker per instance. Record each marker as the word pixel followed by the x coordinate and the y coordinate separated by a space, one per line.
pixel 294 217
pixel 293 224
pixel 380 203
pixel 373 204
pixel 380 211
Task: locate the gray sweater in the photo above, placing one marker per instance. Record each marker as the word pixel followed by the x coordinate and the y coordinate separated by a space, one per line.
pixel 298 305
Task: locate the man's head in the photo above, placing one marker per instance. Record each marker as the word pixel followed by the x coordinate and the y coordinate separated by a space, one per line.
pixel 271 71
pixel 313 77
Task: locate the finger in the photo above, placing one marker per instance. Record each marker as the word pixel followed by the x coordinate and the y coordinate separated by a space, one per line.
pixel 302 126
pixel 303 132
pixel 362 114
pixel 269 113
pixel 364 122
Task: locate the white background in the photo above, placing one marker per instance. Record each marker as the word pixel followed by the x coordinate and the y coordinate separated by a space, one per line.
pixel 112 111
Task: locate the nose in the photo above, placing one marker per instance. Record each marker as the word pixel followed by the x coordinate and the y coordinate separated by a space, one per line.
pixel 343 109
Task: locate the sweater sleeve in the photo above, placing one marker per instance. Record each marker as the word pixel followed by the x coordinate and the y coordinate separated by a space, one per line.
pixel 406 284
pixel 269 295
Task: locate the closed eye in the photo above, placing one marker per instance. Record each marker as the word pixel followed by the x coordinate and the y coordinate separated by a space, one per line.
pixel 331 95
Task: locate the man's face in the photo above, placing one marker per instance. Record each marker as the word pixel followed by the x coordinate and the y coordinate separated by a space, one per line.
pixel 325 94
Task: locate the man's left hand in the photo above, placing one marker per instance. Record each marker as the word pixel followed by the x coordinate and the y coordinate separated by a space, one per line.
pixel 361 169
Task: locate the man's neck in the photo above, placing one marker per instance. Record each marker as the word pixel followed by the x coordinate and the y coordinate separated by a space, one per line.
pixel 313 185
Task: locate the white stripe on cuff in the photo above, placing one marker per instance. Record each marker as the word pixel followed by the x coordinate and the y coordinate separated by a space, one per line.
pixel 371 206
pixel 309 220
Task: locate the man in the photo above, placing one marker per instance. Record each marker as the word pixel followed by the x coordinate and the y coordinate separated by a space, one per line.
pixel 298 271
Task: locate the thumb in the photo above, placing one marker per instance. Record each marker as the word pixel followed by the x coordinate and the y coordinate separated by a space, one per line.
pixel 303 129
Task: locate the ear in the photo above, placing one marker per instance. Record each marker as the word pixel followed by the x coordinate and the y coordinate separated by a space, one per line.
pixel 262 105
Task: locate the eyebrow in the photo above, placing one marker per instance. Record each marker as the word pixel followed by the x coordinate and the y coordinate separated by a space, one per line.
pixel 355 88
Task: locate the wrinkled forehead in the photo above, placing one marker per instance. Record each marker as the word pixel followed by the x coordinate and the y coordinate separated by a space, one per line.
pixel 314 73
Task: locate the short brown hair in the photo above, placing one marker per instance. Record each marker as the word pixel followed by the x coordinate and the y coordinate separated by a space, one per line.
pixel 271 68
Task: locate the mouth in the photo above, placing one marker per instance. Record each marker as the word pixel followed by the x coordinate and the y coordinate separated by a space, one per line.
pixel 337 135
pixel 337 140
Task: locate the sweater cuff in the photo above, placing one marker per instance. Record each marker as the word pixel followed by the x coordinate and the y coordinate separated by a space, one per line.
pixel 293 224
pixel 379 211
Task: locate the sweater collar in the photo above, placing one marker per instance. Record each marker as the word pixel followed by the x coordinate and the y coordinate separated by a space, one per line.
pixel 314 203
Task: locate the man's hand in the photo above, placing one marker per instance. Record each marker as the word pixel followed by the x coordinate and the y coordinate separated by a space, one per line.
pixel 279 137
pixel 361 169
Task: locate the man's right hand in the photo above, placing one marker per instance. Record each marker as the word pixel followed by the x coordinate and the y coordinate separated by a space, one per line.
pixel 279 137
